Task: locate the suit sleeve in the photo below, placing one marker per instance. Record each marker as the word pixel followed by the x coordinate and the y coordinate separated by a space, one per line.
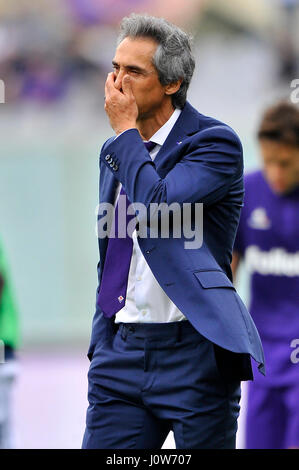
pixel 212 159
pixel 239 245
pixel 241 240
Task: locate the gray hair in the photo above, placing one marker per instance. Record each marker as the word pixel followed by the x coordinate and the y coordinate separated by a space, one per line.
pixel 173 58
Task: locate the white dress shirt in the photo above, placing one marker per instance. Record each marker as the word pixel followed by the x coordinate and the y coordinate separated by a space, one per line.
pixel 146 301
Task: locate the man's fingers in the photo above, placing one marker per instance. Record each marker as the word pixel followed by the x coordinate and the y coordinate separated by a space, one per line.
pixel 109 85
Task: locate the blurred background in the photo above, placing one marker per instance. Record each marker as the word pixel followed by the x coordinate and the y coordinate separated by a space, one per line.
pixel 54 59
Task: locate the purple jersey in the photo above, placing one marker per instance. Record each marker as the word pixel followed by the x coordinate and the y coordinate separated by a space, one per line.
pixel 268 239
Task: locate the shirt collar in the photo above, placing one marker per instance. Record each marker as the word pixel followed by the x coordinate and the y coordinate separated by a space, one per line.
pixel 161 135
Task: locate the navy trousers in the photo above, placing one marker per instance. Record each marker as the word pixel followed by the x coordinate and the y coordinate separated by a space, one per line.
pixel 148 379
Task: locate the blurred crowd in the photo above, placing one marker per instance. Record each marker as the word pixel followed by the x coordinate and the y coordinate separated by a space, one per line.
pixel 45 46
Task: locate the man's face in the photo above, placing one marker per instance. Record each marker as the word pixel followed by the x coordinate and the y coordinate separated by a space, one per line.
pixel 281 165
pixel 134 57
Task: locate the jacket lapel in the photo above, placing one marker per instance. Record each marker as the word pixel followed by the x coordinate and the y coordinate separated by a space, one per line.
pixel 186 125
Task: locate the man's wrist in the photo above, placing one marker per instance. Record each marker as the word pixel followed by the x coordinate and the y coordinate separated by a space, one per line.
pixel 125 128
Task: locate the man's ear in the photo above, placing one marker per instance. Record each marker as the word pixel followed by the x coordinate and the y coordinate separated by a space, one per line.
pixel 173 87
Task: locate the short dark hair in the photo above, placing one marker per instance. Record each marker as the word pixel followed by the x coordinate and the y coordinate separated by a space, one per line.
pixel 173 58
pixel 280 123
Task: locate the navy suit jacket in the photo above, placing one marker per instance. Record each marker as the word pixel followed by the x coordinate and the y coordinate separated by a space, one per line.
pixel 201 161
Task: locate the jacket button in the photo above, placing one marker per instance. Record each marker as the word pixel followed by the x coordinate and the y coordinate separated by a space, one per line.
pixel 107 157
pixel 115 167
pixel 110 161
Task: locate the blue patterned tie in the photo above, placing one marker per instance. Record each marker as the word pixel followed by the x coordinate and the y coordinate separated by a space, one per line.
pixel 113 288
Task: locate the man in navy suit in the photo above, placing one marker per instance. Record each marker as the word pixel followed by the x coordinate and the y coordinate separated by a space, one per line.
pixel 171 339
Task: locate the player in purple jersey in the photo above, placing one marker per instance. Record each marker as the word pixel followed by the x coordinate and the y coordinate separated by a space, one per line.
pixel 268 241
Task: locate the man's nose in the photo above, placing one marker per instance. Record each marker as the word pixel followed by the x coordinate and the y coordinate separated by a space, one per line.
pixel 119 78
